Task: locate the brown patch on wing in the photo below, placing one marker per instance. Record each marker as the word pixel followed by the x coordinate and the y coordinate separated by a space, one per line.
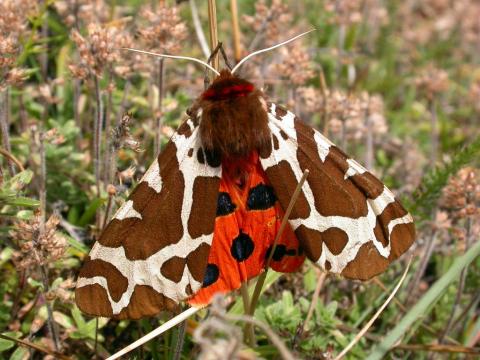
pixel 197 262
pixel 185 129
pixel 145 301
pixel 284 135
pixel 93 300
pixel 366 264
pixel 335 239
pixel 116 282
pixel 142 238
pixel 310 241
pixel 392 211
pixel 401 238
pixel 283 180
pixel 173 268
pixel 276 145
pixel 204 206
pixel 333 195
pixel 371 186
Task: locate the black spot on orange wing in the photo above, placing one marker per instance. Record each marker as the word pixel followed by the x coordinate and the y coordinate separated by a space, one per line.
pixel 242 247
pixel 261 197
pixel 280 252
pixel 211 275
pixel 225 204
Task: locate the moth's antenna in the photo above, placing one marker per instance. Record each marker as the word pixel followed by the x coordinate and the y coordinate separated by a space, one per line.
pixel 268 49
pixel 173 57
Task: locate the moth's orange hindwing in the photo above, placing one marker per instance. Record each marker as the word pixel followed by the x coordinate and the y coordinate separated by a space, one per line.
pixel 346 220
pixel 154 252
pixel 248 220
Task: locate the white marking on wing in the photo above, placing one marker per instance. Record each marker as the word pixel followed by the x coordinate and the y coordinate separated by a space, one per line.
pixel 152 177
pixel 354 168
pixel 127 211
pixel 402 220
pixel 323 145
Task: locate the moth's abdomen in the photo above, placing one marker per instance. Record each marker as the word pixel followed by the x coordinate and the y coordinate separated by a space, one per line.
pixel 247 220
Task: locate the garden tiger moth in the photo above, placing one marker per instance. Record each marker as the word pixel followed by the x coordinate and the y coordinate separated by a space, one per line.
pixel 203 218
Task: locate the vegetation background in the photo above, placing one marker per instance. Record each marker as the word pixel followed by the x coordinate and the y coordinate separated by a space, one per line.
pixel 396 84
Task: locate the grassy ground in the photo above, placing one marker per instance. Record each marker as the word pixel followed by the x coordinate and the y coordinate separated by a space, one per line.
pixel 396 84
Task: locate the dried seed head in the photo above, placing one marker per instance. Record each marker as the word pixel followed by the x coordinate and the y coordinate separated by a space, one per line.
pixel 97 50
pixel 461 197
pixel 432 81
pixel 163 30
pixel 270 19
pixel 39 244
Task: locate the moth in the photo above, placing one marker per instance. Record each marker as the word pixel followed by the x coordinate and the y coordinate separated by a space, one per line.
pixel 203 218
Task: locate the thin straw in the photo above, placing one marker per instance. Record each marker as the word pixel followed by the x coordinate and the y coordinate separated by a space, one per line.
pixel 158 331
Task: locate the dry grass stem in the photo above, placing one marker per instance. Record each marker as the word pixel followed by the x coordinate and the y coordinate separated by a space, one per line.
pixel 198 29
pixel 237 45
pixel 313 304
pixel 4 126
pixel 212 26
pixel 31 345
pixel 12 158
pixel 157 332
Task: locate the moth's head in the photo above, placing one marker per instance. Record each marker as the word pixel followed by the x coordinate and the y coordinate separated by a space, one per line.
pixel 227 87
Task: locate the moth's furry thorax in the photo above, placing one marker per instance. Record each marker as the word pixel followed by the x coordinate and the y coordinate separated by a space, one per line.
pixel 233 117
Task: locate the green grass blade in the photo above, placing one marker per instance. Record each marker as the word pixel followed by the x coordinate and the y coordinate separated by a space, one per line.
pixel 421 307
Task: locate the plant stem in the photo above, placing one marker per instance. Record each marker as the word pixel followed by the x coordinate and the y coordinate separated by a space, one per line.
pixel 368 140
pixel 237 46
pixel 460 288
pixel 198 29
pixel 212 26
pixel 76 97
pixel 413 286
pixel 159 114
pixel 43 181
pixel 12 158
pixel 97 134
pixel 108 121
pixel 4 126
pixel 180 340
pixel 313 304
pixel 51 322
pixel 433 133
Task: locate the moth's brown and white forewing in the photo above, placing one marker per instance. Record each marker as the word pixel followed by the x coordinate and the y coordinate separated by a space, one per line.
pixel 154 252
pixel 346 220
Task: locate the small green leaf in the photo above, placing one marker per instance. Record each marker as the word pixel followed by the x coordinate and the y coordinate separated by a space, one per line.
pixel 77 316
pixel 90 212
pixel 8 344
pixel 21 353
pixel 24 201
